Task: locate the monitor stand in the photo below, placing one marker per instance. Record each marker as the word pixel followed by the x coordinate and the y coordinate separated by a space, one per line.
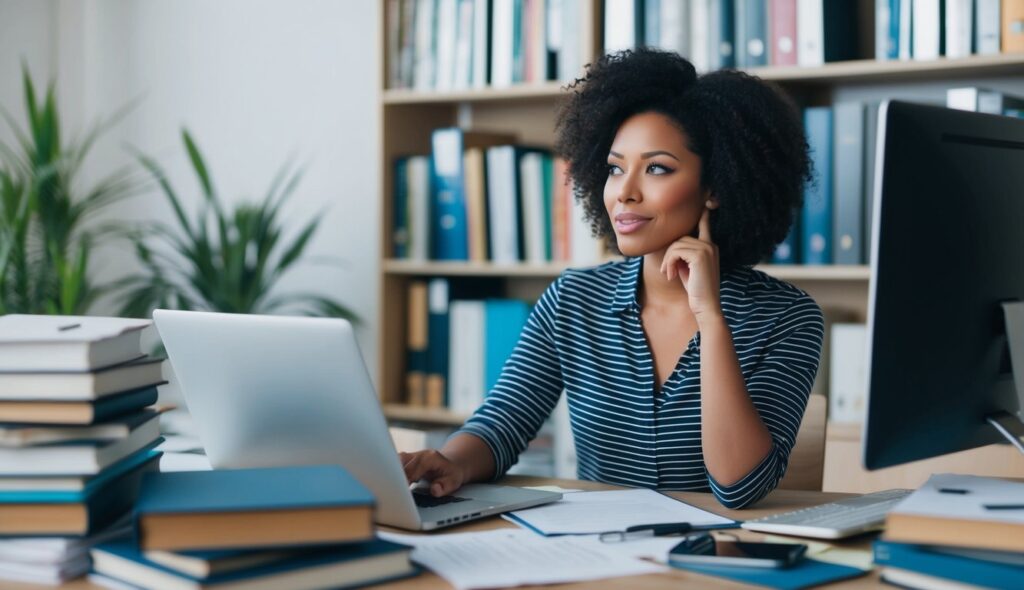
pixel 1008 425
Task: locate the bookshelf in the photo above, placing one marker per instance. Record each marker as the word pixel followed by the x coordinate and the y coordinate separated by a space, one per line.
pixel 408 117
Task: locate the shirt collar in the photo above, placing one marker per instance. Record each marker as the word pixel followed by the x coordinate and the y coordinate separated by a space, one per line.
pixel 734 280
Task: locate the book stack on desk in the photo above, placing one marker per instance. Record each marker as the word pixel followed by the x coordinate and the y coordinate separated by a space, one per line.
pixel 279 527
pixel 956 531
pixel 76 434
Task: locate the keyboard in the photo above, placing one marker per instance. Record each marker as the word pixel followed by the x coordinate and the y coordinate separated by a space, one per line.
pixel 427 501
pixel 835 520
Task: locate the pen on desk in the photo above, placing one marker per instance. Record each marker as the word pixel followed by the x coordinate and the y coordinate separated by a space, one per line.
pixel 68 327
pixel 642 531
pixel 1003 506
pixel 953 491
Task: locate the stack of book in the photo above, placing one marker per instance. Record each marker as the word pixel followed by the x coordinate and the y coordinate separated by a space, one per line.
pixel 280 527
pixel 956 531
pixel 76 437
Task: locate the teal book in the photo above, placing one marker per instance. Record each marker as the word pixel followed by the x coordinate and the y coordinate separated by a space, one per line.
pixel 816 221
pixel 951 567
pixel 252 508
pixel 355 565
pixel 107 502
pixel 848 173
pixel 504 320
pixel 400 210
pixel 91 486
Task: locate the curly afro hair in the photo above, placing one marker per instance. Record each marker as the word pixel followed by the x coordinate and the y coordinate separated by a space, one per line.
pixel 748 134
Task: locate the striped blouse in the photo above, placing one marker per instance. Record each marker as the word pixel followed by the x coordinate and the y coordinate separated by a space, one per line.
pixel 585 337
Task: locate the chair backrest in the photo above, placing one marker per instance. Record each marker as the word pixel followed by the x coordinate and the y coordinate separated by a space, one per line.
pixel 807 459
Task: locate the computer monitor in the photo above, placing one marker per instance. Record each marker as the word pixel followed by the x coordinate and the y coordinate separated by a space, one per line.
pixel 947 254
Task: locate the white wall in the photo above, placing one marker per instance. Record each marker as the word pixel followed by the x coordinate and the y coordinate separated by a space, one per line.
pixel 256 82
pixel 26 35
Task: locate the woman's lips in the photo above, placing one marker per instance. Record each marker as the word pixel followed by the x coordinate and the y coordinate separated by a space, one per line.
pixel 626 223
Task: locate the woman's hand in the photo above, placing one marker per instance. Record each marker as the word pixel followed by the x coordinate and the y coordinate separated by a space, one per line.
pixel 445 476
pixel 695 262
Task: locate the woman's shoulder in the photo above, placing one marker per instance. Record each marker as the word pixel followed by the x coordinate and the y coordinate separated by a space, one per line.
pixel 595 279
pixel 769 294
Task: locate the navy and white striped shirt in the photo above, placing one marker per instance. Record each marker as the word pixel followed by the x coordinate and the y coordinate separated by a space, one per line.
pixel 585 337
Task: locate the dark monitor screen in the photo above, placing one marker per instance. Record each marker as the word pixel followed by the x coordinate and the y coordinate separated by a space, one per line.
pixel 947 250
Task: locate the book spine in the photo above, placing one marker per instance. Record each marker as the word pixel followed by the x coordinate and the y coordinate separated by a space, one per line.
pixel 987 27
pixel 847 371
pixel 721 34
pixel 547 187
pixel 839 30
pixel 620 25
pixel 450 224
pixel 502 199
pixel 848 166
pixel 446 33
pixel 927 29
pixel 400 212
pixel 437 346
pixel 816 243
pixel 751 34
pixel 502 32
pixel 1012 26
pixel 426 27
pixel 782 25
pixel 977 572
pixel 810 31
pixel 418 180
pixel 416 344
pixel 959 27
pixel 870 153
pixel 673 28
pixel 652 22
pixel 463 77
pixel 699 35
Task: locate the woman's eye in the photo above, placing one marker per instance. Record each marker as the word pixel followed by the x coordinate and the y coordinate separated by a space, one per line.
pixel 658 169
pixel 614 170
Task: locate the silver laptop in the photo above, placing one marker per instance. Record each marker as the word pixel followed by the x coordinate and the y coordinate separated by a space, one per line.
pixel 269 390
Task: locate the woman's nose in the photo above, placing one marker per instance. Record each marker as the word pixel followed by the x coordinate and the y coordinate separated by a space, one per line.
pixel 629 189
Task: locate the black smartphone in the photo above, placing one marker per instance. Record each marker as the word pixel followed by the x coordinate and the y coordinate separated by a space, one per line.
pixel 704 549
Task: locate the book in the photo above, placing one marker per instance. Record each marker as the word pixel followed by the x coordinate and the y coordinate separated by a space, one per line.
pixel 826 31
pixel 420 195
pixel 751 33
pixel 481 45
pixel 400 210
pixel 987 27
pixel 945 566
pixel 67 386
pixel 425 52
pixel 782 32
pixel 871 153
pixel 79 459
pixel 445 31
pixel 887 29
pixel 535 207
pixel 205 564
pixel 848 194
pixel 623 24
pixel 437 343
pixel 847 397
pixel 21 435
pixel 66 488
pixel 103 505
pixel 252 508
pixel 983 100
pixel 928 30
pixel 504 206
pixel 504 32
pixel 918 581
pixel 416 343
pixel 67 343
pixel 56 550
pixel 700 48
pixel 476 204
pixel 505 319
pixel 467 327
pixel 85 412
pixel 933 516
pixel 816 218
pixel 340 567
pixel 1012 29
pixel 959 24
pixel 721 34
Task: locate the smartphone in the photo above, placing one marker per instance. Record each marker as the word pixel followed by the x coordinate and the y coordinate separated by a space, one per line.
pixel 704 549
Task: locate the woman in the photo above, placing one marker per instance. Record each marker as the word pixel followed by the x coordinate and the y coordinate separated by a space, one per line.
pixel 685 369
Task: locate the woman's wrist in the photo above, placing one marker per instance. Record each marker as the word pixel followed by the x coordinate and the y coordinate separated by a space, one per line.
pixel 710 320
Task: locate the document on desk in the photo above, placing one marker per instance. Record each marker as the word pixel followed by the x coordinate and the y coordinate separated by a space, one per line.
pixel 585 513
pixel 516 557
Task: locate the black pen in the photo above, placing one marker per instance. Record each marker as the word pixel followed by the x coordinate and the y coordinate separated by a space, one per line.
pixel 643 531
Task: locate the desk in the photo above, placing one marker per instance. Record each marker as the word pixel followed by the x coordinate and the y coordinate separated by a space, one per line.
pixel 777 501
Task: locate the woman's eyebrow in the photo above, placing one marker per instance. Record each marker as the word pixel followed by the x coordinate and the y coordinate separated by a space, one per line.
pixel 645 155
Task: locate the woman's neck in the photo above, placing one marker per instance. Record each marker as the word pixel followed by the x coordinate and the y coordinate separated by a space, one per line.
pixel 656 290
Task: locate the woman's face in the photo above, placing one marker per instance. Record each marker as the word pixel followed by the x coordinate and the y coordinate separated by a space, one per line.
pixel 653 193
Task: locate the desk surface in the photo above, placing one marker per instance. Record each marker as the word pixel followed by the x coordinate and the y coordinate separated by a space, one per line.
pixel 778 501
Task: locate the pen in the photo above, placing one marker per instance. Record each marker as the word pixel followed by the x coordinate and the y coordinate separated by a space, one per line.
pixel 1004 506
pixel 642 531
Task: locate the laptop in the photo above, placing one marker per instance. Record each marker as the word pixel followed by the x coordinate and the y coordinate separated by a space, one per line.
pixel 272 390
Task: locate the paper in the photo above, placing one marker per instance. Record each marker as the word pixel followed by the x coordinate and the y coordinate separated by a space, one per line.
pixel 184 462
pixel 515 557
pixel 596 512
pixel 965 497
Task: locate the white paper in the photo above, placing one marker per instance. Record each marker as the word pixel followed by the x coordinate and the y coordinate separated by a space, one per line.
pixel 929 501
pixel 515 557
pixel 597 512
pixel 184 462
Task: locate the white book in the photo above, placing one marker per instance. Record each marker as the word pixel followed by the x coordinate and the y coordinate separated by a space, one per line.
pixel 418 171
pixel 699 37
pixel 481 42
pixel 848 373
pixel 16 435
pixel 467 330
pixel 44 573
pixel 959 27
pixel 927 29
pixel 464 46
pixel 619 25
pixel 810 32
pixel 55 550
pixel 67 343
pixel 987 27
pixel 674 27
pixel 502 199
pixel 425 52
pixel 82 386
pixel 531 182
pixel 88 459
pixel 447 29
pixel 570 62
pixel 502 42
pixel 906 29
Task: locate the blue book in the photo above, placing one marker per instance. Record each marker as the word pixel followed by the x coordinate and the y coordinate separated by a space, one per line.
pixel 721 34
pixel 90 486
pixel 450 220
pixel 107 502
pixel 400 210
pixel 751 33
pixel 332 567
pixel 848 171
pixel 788 251
pixel 816 219
pixel 251 508
pixel 942 564
pixel 504 319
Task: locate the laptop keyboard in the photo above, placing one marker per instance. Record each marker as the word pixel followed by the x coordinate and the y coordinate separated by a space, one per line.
pixel 428 501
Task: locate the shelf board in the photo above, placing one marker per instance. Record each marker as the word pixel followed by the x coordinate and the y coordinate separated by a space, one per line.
pixel 863 70
pixel 405 413
pixel 552 270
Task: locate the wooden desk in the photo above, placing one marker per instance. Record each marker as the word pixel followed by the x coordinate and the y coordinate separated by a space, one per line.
pixel 778 501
